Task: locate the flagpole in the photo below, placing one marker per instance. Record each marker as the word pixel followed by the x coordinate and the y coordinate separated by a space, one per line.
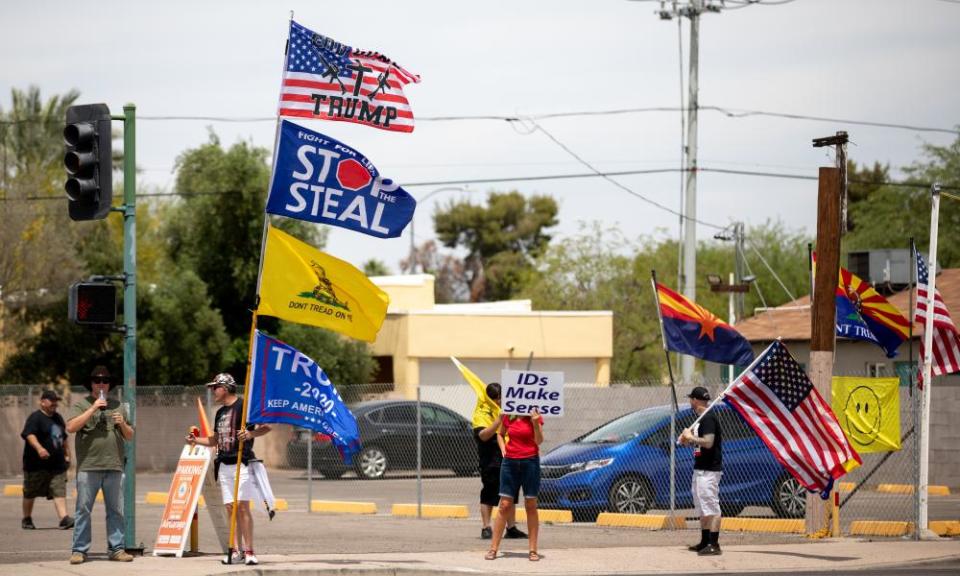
pixel 676 407
pixel 245 404
pixel 925 392
pixel 914 398
pixel 730 384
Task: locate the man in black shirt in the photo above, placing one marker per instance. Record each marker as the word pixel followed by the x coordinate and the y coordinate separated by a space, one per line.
pixel 46 458
pixel 490 458
pixel 707 440
pixel 226 437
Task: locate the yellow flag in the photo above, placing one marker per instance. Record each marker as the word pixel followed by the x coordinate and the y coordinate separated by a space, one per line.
pixel 486 411
pixel 868 410
pixel 302 284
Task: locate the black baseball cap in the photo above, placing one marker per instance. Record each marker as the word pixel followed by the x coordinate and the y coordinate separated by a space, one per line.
pixel 699 393
pixel 50 395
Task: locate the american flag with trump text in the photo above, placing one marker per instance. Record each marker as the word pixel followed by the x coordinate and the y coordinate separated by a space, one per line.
pixel 327 80
pixel 946 337
pixel 777 399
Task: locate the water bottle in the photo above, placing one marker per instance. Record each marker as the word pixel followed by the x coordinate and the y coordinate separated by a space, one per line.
pixel 104 398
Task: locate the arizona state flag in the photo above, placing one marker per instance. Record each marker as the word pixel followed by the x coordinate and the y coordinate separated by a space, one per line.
pixel 486 410
pixel 689 328
pixel 302 284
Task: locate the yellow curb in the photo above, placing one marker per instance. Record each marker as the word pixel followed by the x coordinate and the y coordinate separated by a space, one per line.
pixel 343 507
pixel 777 525
pixel 431 510
pixel 13 490
pixel 156 498
pixel 99 495
pixel 846 487
pixel 647 521
pixel 945 527
pixel 932 490
pixel 880 528
pixel 279 504
pixel 549 516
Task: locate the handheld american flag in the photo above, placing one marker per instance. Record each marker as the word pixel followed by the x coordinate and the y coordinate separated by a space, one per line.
pixel 327 80
pixel 779 402
pixel 946 337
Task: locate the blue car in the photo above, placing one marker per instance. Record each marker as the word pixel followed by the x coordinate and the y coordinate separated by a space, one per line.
pixel 624 466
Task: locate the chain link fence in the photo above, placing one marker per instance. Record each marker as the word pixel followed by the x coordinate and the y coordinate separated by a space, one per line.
pixel 613 451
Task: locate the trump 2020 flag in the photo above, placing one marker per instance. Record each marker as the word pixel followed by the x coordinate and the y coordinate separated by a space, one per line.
pixel 320 179
pixel 287 387
pixel 689 328
pixel 327 80
pixel 778 400
pixel 302 284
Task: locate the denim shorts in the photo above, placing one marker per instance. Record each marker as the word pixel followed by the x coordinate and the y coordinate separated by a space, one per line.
pixel 520 473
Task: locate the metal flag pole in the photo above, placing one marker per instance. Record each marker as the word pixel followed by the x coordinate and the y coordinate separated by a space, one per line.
pixel 676 407
pixel 914 398
pixel 924 479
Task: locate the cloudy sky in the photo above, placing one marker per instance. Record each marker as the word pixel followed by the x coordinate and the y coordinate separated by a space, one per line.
pixel 887 61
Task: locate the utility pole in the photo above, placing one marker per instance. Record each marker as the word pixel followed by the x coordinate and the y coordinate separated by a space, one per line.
pixel 691 10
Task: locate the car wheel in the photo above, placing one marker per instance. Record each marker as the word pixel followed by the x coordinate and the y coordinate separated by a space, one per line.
pixel 333 473
pixel 371 463
pixel 631 495
pixel 789 498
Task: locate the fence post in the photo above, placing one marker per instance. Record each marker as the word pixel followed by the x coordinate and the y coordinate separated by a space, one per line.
pixel 309 471
pixel 419 459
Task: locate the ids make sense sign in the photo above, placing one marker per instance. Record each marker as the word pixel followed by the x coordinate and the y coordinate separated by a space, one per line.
pixel 524 391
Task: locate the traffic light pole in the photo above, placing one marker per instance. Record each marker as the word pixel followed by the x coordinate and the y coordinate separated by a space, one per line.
pixel 129 210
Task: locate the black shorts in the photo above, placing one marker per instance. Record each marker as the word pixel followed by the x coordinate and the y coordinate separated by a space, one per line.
pixel 490 493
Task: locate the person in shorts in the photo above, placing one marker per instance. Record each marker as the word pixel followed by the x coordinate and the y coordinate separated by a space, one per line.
pixel 707 441
pixel 519 438
pixel 489 457
pixel 227 434
pixel 46 458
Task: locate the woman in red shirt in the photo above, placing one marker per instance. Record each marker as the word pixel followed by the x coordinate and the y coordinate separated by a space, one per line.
pixel 519 438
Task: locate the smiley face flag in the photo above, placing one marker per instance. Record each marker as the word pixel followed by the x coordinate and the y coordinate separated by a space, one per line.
pixel 868 410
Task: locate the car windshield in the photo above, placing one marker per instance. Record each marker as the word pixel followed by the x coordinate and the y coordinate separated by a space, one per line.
pixel 626 427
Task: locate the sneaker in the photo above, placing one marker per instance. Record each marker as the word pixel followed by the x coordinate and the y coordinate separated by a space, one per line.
pixel 514 532
pixel 27 524
pixel 237 559
pixel 710 550
pixel 77 558
pixel 120 556
pixel 66 522
pixel 696 547
pixel 486 533
pixel 250 559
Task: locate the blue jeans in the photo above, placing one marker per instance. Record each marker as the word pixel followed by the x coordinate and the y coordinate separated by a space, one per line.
pixel 88 484
pixel 520 473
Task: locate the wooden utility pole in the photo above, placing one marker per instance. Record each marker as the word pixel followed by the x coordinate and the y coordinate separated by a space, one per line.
pixel 823 328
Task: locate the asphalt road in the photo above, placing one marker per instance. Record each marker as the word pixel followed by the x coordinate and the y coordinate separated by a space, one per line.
pixel 297 531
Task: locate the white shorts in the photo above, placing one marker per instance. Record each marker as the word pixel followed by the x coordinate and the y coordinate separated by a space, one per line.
pixel 706 492
pixel 228 473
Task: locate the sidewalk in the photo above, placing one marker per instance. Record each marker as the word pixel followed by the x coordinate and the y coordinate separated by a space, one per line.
pixel 761 558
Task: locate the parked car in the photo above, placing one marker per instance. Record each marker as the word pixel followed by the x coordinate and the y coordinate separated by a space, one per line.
pixel 388 436
pixel 624 466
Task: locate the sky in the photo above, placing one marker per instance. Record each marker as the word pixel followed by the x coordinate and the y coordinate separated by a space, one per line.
pixel 887 61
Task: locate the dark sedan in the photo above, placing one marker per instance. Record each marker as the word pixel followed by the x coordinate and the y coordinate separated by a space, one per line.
pixel 388 436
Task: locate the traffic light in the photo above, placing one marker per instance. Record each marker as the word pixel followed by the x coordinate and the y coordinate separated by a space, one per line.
pixel 92 303
pixel 87 159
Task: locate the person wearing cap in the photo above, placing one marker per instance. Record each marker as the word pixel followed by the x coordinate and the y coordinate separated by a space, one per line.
pixel 707 440
pixel 46 458
pixel 226 437
pixel 102 430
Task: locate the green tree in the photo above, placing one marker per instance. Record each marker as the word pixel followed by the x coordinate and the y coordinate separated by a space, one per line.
pixel 502 239
pixel 375 267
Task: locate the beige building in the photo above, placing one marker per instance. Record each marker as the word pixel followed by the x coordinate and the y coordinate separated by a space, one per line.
pixel 418 337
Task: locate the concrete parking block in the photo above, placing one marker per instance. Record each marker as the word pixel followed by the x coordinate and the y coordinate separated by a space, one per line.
pixel 13 490
pixel 932 490
pixel 945 527
pixel 279 504
pixel 880 528
pixel 160 498
pixel 772 525
pixel 342 507
pixel 431 510
pixel 846 487
pixel 646 521
pixel 549 516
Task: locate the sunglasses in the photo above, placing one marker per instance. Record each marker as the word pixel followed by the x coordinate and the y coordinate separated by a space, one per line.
pixel 100 380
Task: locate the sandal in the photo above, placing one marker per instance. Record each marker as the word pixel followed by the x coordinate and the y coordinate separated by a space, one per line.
pixel 534 556
pixel 490 555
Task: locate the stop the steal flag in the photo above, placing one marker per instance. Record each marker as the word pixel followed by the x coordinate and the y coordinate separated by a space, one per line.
pixel 302 284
